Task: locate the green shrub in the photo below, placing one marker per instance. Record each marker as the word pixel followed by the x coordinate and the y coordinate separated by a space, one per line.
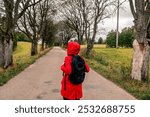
pixel 22 37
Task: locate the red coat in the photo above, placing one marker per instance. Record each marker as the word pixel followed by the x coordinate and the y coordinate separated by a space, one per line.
pixel 69 90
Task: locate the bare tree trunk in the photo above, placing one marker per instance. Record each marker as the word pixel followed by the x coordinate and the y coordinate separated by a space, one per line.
pixel 79 38
pixel 141 50
pixel 140 61
pixel 8 45
pixel 6 51
pixel 89 48
pixel 34 47
pixel 2 62
pixel 46 45
pixel 140 64
pixel 42 47
pixel 145 67
pixel 90 43
pixel 43 33
pixel 87 35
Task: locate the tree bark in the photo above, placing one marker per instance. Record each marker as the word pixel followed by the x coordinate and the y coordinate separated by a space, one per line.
pixel 140 61
pixel 42 45
pixel 145 67
pixel 34 47
pixel 6 51
pixel 7 42
pixel 80 38
pixel 90 44
pixel 2 62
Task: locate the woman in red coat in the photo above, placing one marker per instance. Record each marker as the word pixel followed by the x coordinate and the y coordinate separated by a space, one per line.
pixel 70 91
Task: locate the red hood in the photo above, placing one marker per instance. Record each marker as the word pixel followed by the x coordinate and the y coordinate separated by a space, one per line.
pixel 73 48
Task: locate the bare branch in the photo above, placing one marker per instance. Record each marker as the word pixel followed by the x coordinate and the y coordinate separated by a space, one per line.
pixel 132 9
pixel 27 6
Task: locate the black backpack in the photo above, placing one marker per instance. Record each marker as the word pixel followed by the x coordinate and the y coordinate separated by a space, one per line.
pixel 78 70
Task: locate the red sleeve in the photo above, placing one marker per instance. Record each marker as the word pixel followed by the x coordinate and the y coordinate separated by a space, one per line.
pixel 87 67
pixel 66 67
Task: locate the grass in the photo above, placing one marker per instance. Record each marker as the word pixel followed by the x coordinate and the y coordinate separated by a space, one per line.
pixel 22 59
pixel 115 65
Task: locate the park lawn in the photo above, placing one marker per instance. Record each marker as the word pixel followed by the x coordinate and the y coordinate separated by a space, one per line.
pixel 22 59
pixel 115 65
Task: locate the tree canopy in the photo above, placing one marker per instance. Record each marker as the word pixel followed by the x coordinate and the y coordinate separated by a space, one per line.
pixel 125 38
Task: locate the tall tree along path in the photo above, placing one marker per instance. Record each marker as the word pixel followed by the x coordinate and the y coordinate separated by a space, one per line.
pixel 42 80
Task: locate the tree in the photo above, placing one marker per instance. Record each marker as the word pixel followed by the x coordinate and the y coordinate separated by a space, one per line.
pixel 94 12
pixel 35 23
pixel 126 37
pixel 100 40
pixel 65 32
pixel 71 10
pixel 30 24
pixel 140 62
pixel 83 16
pixel 46 10
pixel 111 39
pixel 13 11
pixel 50 32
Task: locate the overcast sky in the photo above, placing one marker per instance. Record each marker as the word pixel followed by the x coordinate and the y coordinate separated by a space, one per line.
pixel 125 20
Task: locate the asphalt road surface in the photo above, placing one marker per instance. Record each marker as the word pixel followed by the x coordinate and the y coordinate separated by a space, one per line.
pixel 42 81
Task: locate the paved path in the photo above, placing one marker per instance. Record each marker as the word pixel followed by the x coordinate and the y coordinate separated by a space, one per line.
pixel 41 80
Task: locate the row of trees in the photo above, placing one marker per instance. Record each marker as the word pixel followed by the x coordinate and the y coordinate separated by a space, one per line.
pixel 83 17
pixel 32 17
pixel 125 38
pixel 37 23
